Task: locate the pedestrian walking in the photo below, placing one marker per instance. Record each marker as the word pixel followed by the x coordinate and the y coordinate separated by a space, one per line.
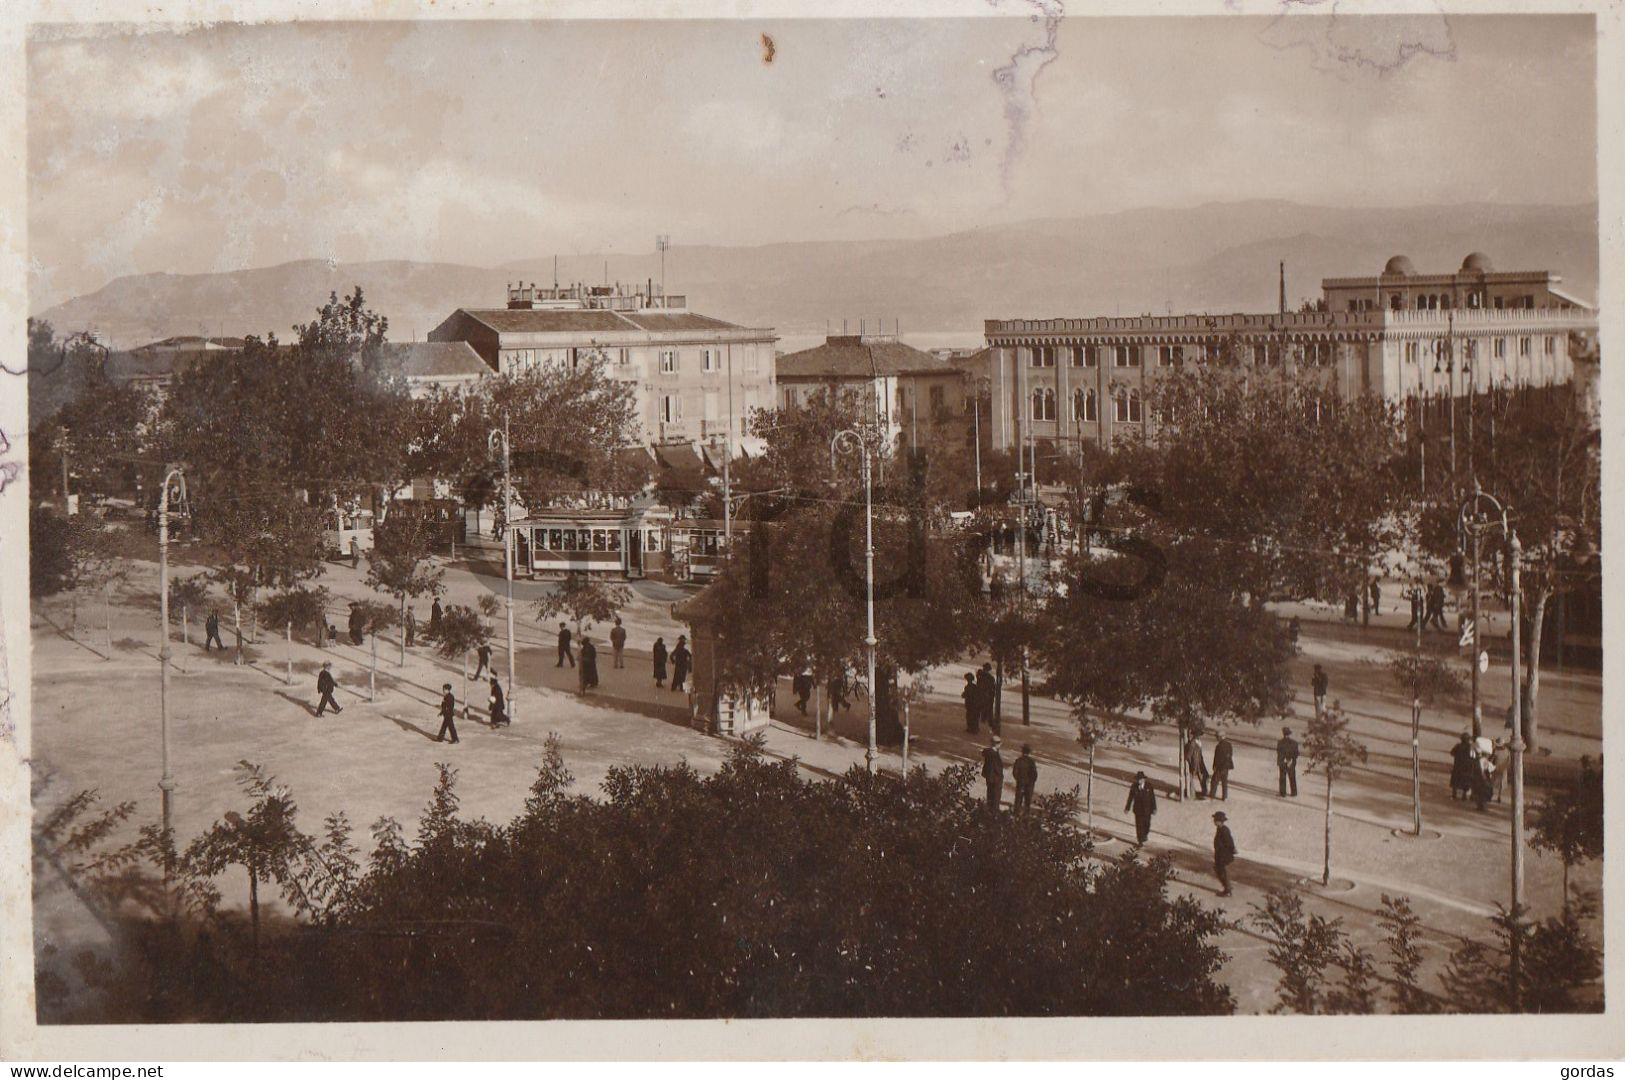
pixel 838 692
pixel 972 696
pixel 1224 760
pixel 325 685
pixel 1461 767
pixel 564 647
pixel 211 628
pixel 483 653
pixel 1294 630
pixel 659 653
pixel 617 642
pixel 411 628
pixel 1224 851
pixel 1286 760
pixel 1351 606
pixel 589 664
pixel 1025 773
pixel 358 624
pixel 498 704
pixel 355 553
pixel 1376 597
pixel 1319 683
pixel 1435 607
pixel 989 684
pixel 681 662
pixel 1196 764
pixel 1414 595
pixel 1142 801
pixel 1499 762
pixel 435 613
pixel 448 714
pixel 993 773
pixel 802 684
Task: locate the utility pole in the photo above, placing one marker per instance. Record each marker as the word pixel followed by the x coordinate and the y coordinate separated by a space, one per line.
pixel 869 572
pixel 507 554
pixel 1514 557
pixel 166 784
pixel 1478 633
pixel 727 460
pixel 662 242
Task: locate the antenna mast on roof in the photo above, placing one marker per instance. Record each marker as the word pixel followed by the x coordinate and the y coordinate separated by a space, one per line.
pixel 555 272
pixel 662 242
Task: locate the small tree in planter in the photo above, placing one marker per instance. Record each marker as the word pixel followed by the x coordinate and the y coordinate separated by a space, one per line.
pixel 297 605
pixel 914 692
pixel 399 564
pixel 1094 729
pixel 1331 750
pixel 584 600
pixel 1429 679
pixel 461 632
pixel 375 618
pixel 240 584
pixel 1569 823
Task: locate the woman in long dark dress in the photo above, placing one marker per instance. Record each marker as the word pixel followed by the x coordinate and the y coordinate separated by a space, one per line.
pixel 660 662
pixel 589 664
pixel 681 660
pixel 499 705
pixel 1462 767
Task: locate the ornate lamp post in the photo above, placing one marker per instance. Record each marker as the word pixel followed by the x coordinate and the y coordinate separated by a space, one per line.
pixel 501 435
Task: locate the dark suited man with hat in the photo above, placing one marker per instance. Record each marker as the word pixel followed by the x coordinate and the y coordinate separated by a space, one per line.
pixel 1224 852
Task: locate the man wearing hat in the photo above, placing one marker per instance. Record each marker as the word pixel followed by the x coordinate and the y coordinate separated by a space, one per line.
pixel 325 685
pixel 993 773
pixel 448 710
pixel 1286 758
pixel 1224 852
pixel 1142 800
pixel 1025 772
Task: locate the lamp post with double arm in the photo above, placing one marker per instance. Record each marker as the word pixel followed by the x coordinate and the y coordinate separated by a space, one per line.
pixel 869 570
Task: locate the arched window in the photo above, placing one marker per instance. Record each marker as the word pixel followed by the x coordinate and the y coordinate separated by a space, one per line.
pixel 1084 407
pixel 1134 411
pixel 1043 405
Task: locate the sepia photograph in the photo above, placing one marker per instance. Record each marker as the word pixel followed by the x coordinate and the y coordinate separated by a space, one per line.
pixel 991 514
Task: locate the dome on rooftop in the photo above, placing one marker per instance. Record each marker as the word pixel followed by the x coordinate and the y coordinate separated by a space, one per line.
pixel 1399 264
pixel 1478 261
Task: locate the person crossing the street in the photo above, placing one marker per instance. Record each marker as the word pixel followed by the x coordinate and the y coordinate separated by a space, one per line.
pixel 448 714
pixel 1286 760
pixel 1224 851
pixel 325 685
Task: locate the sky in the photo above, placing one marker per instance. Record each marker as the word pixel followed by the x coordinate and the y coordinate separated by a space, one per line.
pixel 480 143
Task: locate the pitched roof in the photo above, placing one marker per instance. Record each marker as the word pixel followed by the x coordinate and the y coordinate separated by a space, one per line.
pixel 850 357
pixel 591 321
pixel 187 342
pixel 435 359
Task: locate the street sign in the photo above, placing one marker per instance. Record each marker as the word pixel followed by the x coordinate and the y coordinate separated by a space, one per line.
pixel 1467 633
pixel 1484 661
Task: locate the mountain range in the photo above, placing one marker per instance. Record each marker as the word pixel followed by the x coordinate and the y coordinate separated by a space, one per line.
pixel 1219 257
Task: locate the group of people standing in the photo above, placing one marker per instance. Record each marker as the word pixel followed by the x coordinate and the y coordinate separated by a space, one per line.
pixel 1478 768
pixel 1024 770
pixel 677 662
pixel 981 697
pixel 1427 606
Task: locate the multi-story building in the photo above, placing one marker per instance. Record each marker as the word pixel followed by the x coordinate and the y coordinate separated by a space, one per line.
pixel 917 398
pixel 695 378
pixel 1063 381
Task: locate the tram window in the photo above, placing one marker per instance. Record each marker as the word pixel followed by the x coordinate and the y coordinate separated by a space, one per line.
pixel 599 541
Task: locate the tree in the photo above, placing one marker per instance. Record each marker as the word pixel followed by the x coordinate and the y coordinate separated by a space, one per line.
pixel 375 618
pixel 186 594
pixel 1331 750
pixel 297 605
pixel 1095 728
pixel 1304 948
pixel 1401 934
pixel 399 564
pixel 1428 678
pixel 584 599
pixel 1569 822
pixel 461 632
pixel 66 554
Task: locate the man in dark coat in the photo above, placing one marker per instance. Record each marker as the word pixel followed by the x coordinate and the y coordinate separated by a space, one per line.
pixel 564 647
pixel 989 686
pixel 1414 594
pixel 1435 612
pixel 1196 765
pixel 617 642
pixel 589 664
pixel 211 627
pixel 434 618
pixel 1224 759
pixel 1319 683
pixel 660 663
pixel 411 628
pixel 358 625
pixel 325 685
pixel 499 704
pixel 681 661
pixel 838 698
pixel 1286 760
pixel 802 684
pixel 1376 598
pixel 1463 764
pixel 483 653
pixel 1224 852
pixel 448 713
pixel 1142 801
pixel 993 773
pixel 972 696
pixel 1025 773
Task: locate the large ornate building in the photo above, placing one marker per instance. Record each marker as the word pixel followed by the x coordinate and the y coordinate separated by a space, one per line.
pixel 689 372
pixel 916 398
pixel 1399 334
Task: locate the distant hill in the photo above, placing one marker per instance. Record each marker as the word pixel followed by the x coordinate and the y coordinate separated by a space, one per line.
pixel 1216 257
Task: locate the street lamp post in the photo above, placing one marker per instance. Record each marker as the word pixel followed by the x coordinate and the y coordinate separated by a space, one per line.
pixel 166 784
pixel 507 552
pixel 869 573
pixel 1478 522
